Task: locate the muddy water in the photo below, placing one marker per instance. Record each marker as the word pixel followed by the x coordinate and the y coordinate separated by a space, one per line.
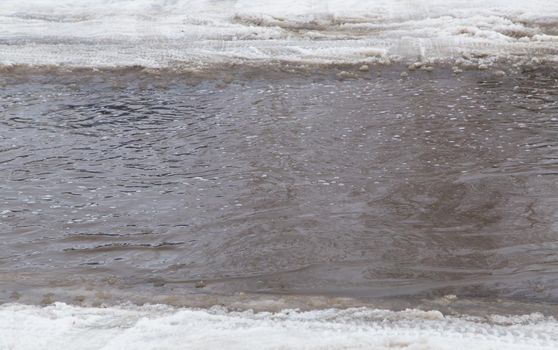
pixel 380 186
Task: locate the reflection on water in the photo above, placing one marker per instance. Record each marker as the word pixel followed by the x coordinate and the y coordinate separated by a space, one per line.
pixel 431 184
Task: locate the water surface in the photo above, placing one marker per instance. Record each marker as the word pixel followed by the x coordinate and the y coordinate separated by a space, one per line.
pixel 380 186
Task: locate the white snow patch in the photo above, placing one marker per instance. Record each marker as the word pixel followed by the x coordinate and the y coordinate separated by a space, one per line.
pixel 61 326
pixel 194 33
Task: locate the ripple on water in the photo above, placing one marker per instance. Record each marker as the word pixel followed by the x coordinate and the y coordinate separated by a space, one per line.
pixel 428 184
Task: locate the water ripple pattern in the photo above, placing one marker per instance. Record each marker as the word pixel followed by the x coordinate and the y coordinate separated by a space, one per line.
pixel 381 186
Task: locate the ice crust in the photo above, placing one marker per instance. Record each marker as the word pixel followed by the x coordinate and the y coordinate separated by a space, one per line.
pixel 61 326
pixel 198 33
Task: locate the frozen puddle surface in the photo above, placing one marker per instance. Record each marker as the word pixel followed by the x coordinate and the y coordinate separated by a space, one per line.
pixel 160 327
pixel 197 34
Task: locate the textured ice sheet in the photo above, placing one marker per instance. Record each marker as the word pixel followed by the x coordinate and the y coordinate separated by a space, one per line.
pixel 60 326
pixel 201 33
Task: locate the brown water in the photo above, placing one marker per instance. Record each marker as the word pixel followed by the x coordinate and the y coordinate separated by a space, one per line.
pixel 380 186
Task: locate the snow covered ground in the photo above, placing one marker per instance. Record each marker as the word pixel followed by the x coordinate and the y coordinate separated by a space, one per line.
pixel 201 33
pixel 61 326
